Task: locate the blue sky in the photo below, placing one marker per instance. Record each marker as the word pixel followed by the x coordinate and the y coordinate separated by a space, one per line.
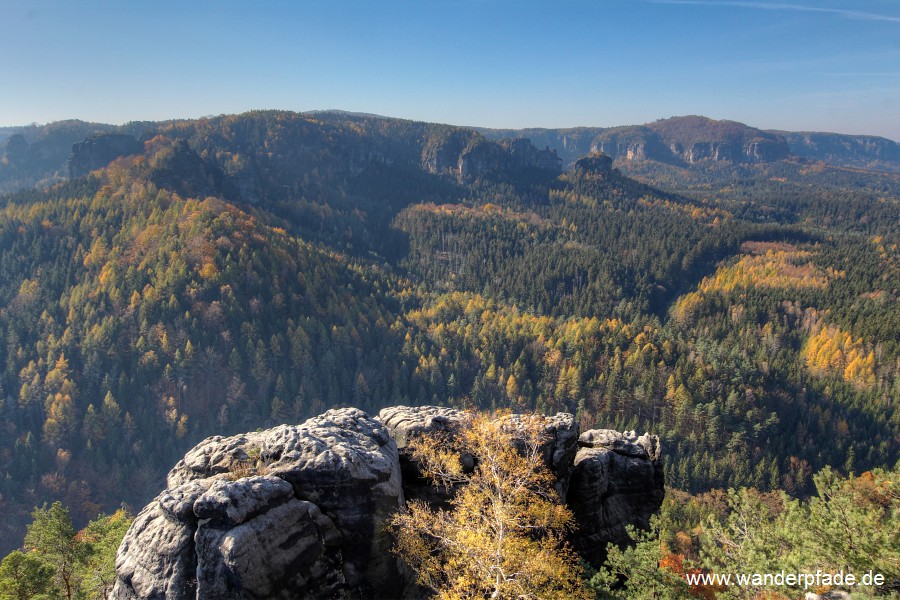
pixel 825 65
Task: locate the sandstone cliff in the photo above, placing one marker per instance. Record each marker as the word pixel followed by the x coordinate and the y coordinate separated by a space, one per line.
pixel 468 156
pixel 680 140
pixel 863 151
pixel 299 511
pixel 98 151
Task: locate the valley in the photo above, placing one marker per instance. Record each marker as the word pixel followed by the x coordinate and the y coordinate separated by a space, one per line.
pixel 734 291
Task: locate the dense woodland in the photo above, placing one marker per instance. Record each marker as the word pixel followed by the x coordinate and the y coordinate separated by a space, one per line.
pixel 258 269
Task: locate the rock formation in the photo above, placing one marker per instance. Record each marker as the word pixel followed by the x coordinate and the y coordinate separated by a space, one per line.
pixel 596 163
pixel 868 152
pixel 691 140
pixel 405 423
pixel 468 156
pixel 617 480
pixel 300 510
pixel 295 511
pixel 681 141
pixel 98 151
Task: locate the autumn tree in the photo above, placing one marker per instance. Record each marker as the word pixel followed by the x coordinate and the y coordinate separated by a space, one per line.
pixel 502 535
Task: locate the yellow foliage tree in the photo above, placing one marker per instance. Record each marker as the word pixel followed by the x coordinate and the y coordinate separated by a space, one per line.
pixel 831 350
pixel 503 535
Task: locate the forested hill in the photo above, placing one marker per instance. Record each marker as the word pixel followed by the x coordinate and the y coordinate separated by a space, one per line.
pixel 242 271
pixel 40 155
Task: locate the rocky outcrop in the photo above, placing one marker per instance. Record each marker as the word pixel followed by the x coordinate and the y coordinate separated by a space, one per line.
pixel 440 155
pixel 559 447
pixel 295 511
pixel 180 169
pixel 598 164
pixel 98 151
pixel 522 154
pixel 468 156
pixel 691 140
pixel 301 510
pixel 617 480
pixel 483 158
pixel 405 423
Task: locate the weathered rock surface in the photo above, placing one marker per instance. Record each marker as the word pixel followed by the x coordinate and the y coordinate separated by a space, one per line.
pixel 310 524
pixel 299 511
pixel 156 558
pixel 346 463
pixel 559 449
pixel 628 443
pixel 406 423
pixel 215 456
pixel 617 480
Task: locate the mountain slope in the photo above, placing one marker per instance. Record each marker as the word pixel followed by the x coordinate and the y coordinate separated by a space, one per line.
pixel 253 269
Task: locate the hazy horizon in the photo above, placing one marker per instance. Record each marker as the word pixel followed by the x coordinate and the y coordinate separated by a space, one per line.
pixel 825 66
pixel 470 125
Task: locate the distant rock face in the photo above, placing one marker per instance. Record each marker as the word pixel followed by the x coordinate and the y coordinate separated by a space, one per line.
pixel 98 151
pixel 441 155
pixel 299 511
pixel 16 147
pixel 524 155
pixel 468 156
pixel 617 480
pixel 848 150
pixel 180 169
pixel 692 140
pixel 696 140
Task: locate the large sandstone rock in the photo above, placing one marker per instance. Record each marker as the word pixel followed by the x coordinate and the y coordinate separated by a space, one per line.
pixel 559 447
pixel 308 524
pixel 405 423
pixel 617 480
pixel 300 511
pixel 258 541
pixel 347 464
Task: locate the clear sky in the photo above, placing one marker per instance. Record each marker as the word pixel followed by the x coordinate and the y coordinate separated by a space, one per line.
pixel 825 65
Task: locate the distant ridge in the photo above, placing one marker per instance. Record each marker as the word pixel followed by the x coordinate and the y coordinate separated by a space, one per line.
pixel 33 155
pixel 344 113
pixel 694 139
